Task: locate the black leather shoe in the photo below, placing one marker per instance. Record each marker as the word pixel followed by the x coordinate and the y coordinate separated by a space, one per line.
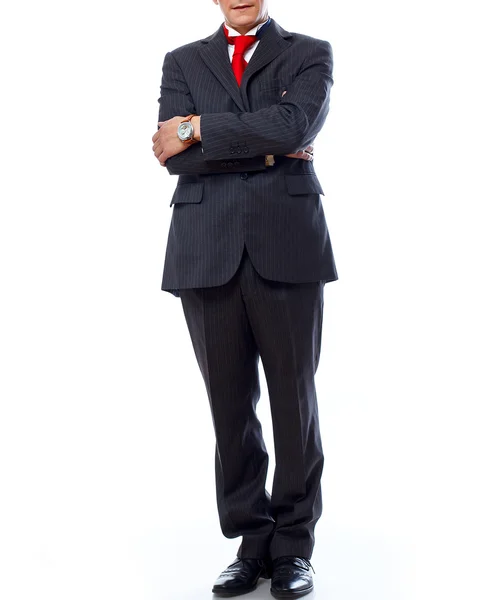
pixel 241 576
pixel 291 577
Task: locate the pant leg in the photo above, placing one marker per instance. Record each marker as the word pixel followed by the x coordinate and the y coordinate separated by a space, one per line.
pixel 286 320
pixel 227 355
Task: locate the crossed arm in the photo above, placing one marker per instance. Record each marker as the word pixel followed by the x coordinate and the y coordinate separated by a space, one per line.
pixel 287 128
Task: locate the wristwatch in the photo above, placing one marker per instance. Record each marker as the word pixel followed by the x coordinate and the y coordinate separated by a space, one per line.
pixel 185 130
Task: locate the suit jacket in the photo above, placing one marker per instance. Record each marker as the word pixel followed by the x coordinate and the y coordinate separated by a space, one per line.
pixel 226 198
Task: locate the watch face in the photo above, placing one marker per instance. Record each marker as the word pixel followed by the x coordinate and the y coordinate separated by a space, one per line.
pixel 185 131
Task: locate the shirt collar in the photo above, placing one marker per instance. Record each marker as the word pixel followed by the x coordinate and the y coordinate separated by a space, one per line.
pixel 253 31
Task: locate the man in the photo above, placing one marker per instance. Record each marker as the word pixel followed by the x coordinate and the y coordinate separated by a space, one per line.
pixel 248 253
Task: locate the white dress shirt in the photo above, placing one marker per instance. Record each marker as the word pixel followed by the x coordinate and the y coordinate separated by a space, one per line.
pixel 249 52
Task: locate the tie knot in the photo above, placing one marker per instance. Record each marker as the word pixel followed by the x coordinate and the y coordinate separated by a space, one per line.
pixel 243 42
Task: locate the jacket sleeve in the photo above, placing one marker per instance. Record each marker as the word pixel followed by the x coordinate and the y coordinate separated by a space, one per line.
pixel 176 100
pixel 286 127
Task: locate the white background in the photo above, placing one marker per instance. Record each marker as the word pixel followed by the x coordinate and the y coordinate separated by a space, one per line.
pixel 106 440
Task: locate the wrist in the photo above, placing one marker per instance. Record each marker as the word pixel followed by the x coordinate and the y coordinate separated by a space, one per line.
pixel 187 130
pixel 196 128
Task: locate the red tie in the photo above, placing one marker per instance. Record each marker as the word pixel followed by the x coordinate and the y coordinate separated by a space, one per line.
pixel 242 43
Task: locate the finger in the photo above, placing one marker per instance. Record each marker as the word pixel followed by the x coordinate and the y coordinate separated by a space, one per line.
pixel 158 152
pixel 163 155
pixel 301 154
pixel 310 149
pixel 161 122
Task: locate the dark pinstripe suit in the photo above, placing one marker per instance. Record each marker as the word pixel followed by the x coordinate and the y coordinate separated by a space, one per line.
pixel 249 252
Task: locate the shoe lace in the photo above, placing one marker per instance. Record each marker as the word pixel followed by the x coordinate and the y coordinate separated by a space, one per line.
pixel 308 563
pixel 305 563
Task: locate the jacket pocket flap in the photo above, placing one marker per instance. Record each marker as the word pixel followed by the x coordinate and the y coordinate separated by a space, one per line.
pixel 188 193
pixel 303 183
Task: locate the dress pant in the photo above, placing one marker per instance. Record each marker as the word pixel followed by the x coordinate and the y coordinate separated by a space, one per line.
pixel 231 327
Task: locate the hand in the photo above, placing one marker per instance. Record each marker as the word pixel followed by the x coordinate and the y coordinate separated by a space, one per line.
pixel 307 154
pixel 166 142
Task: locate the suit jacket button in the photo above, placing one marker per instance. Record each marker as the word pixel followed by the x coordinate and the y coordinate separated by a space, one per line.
pixel 224 164
pixel 244 175
pixel 245 149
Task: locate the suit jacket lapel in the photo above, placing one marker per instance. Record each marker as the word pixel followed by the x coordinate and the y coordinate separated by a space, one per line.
pixel 214 53
pixel 273 43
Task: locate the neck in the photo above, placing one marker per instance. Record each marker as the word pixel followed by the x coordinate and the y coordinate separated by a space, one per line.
pixel 244 29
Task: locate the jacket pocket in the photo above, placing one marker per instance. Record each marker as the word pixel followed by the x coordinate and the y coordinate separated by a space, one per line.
pixel 303 183
pixel 188 193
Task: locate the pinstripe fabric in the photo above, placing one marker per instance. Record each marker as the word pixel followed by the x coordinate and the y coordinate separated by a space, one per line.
pixel 230 327
pixel 226 199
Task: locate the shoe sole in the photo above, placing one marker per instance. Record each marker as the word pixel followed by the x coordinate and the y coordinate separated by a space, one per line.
pixel 292 593
pixel 229 593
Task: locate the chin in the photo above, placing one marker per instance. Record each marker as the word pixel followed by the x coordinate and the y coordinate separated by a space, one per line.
pixel 244 18
pixel 243 22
